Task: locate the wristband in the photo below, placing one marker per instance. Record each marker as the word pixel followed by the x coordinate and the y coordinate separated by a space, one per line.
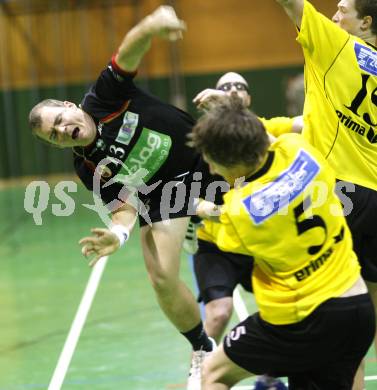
pixel 195 204
pixel 121 232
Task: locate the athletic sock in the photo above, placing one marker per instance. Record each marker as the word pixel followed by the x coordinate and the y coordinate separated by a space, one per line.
pixel 198 338
pixel 195 219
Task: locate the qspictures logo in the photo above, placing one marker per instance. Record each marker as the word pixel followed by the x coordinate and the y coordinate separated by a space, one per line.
pixel 129 188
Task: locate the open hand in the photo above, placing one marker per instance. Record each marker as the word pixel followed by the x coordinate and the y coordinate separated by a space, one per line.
pixel 102 243
pixel 204 99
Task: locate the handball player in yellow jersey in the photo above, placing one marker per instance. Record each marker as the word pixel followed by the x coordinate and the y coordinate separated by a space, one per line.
pixel 340 112
pixel 217 272
pixel 306 277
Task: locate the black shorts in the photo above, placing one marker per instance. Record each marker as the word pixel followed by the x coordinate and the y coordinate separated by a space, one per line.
pixel 321 352
pixel 175 198
pixel 362 223
pixel 170 200
pixel 218 273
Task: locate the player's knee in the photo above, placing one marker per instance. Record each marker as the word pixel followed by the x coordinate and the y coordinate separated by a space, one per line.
pixel 162 281
pixel 220 314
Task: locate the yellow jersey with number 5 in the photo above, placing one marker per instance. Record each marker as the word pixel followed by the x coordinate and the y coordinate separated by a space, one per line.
pixel 288 217
pixel 276 126
pixel 340 111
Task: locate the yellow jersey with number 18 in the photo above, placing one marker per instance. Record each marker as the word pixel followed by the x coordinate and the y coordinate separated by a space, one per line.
pixel 288 217
pixel 340 111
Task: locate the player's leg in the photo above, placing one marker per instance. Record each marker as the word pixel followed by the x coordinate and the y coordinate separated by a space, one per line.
pixel 372 288
pixel 366 250
pixel 216 277
pixel 361 220
pixel 218 313
pixel 162 243
pixel 220 373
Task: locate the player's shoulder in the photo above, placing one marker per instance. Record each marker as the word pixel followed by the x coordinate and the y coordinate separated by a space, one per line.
pixel 289 141
pixel 321 29
pixel 292 149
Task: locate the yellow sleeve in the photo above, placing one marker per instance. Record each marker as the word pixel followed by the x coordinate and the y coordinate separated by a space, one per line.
pixel 207 231
pixel 221 234
pixel 278 125
pixel 320 38
pixel 227 238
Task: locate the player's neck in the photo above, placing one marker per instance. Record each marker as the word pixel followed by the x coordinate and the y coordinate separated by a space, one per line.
pixel 91 129
pixel 258 166
pixel 369 37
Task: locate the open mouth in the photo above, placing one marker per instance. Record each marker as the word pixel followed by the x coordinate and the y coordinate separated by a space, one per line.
pixel 75 132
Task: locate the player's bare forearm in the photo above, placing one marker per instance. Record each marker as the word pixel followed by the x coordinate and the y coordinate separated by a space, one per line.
pixel 125 216
pixel 135 44
pixel 294 9
pixel 162 22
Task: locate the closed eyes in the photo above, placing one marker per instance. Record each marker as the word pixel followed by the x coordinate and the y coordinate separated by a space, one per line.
pixel 57 121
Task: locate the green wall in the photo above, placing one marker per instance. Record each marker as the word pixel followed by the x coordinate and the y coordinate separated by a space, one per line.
pixel 21 154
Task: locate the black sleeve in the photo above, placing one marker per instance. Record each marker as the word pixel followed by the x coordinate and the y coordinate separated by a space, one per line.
pixel 109 92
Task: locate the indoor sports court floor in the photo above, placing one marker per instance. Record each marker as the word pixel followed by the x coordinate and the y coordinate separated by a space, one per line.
pixel 125 343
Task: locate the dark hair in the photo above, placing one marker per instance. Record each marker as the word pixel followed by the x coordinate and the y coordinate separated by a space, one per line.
pixel 35 119
pixel 367 8
pixel 230 134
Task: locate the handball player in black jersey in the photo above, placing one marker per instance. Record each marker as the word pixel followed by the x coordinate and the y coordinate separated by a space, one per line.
pixel 130 148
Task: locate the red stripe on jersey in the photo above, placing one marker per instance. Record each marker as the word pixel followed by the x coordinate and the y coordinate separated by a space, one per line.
pixel 114 115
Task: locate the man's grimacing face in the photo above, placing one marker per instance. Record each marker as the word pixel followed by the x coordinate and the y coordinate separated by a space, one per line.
pixel 66 126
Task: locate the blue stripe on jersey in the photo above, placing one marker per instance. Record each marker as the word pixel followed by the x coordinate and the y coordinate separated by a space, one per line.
pixel 266 202
pixel 366 58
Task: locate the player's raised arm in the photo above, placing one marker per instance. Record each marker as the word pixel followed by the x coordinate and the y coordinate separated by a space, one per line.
pixel 163 22
pixel 294 9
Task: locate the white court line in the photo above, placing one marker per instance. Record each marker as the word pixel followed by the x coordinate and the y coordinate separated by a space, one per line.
pixel 77 325
pixel 239 305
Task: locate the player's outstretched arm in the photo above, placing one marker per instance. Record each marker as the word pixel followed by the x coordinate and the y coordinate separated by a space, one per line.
pixel 294 9
pixel 104 242
pixel 163 22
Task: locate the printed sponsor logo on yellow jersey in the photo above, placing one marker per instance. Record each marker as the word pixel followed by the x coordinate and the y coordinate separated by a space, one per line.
pixel 266 202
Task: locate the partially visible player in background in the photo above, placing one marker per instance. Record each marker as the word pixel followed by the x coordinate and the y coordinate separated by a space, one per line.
pixel 340 112
pixel 218 272
pixel 232 83
pixel 295 95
